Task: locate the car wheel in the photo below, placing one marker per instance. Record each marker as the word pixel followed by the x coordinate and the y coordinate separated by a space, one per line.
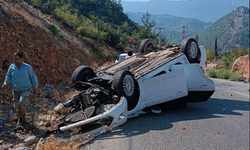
pixel 191 49
pixel 147 45
pixel 125 84
pixel 82 73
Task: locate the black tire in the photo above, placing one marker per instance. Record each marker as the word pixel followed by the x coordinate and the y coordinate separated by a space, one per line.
pixel 125 84
pixel 191 49
pixel 82 73
pixel 147 45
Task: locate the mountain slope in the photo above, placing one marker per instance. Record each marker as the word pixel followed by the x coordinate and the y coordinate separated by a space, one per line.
pixel 204 10
pixel 231 30
pixel 172 24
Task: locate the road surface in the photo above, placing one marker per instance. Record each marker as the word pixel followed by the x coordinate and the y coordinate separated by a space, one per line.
pixel 221 123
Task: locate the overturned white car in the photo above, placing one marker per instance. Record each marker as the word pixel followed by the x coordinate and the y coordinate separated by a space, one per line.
pixel 157 76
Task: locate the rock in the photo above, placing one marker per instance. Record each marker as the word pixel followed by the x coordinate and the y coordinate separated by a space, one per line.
pixel 51 92
pixel 60 109
pixel 13 118
pixel 3 11
pixel 30 140
pixel 241 66
pixel 55 95
pixel 21 148
pixel 2 122
pixel 5 133
pixel 213 65
pixel 39 143
pixel 47 124
pixel 39 123
pixel 3 147
pixel 46 118
pixel 43 103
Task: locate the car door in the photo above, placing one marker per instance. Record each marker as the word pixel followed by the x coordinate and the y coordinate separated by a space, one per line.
pixel 164 85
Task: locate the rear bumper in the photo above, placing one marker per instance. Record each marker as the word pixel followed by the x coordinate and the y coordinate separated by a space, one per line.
pixel 195 96
pixel 198 96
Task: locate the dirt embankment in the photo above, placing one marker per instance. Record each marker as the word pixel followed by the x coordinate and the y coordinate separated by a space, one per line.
pixel 53 58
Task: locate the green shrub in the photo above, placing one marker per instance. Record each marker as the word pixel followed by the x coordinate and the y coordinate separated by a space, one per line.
pixel 228 57
pixel 211 73
pixel 53 29
pixel 210 54
pixel 61 34
pixel 224 73
pixel 235 77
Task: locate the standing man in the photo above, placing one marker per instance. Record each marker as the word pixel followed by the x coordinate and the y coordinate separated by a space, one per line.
pixel 22 77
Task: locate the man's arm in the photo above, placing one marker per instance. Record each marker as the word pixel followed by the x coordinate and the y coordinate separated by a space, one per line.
pixel 8 77
pixel 33 79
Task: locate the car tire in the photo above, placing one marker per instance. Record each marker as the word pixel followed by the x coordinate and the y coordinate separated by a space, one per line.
pixel 125 84
pixel 82 73
pixel 147 45
pixel 191 49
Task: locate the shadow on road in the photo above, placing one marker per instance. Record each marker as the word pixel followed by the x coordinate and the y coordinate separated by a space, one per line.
pixel 214 108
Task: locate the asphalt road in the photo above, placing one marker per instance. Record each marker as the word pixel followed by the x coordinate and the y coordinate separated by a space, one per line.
pixel 221 123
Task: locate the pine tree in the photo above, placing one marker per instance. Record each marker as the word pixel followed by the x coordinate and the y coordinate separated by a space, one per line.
pixel 148 25
pixel 196 38
pixel 215 47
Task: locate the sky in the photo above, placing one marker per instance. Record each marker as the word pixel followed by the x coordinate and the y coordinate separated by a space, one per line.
pixel 149 0
pixel 137 0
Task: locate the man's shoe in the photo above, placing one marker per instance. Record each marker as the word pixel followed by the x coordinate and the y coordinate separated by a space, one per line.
pixel 19 128
pixel 24 120
pixel 21 121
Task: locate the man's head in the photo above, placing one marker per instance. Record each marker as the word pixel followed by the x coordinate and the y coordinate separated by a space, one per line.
pixel 18 58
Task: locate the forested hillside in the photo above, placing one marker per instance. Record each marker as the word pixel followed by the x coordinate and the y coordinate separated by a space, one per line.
pixel 97 19
pixel 232 31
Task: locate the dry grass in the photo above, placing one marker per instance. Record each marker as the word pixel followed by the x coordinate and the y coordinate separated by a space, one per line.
pixel 53 143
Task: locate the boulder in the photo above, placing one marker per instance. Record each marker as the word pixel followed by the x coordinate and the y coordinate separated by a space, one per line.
pixel 51 92
pixel 241 66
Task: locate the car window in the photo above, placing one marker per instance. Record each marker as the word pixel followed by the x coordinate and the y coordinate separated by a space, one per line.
pixel 121 58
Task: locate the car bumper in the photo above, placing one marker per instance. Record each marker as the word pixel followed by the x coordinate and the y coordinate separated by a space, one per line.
pixel 118 113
